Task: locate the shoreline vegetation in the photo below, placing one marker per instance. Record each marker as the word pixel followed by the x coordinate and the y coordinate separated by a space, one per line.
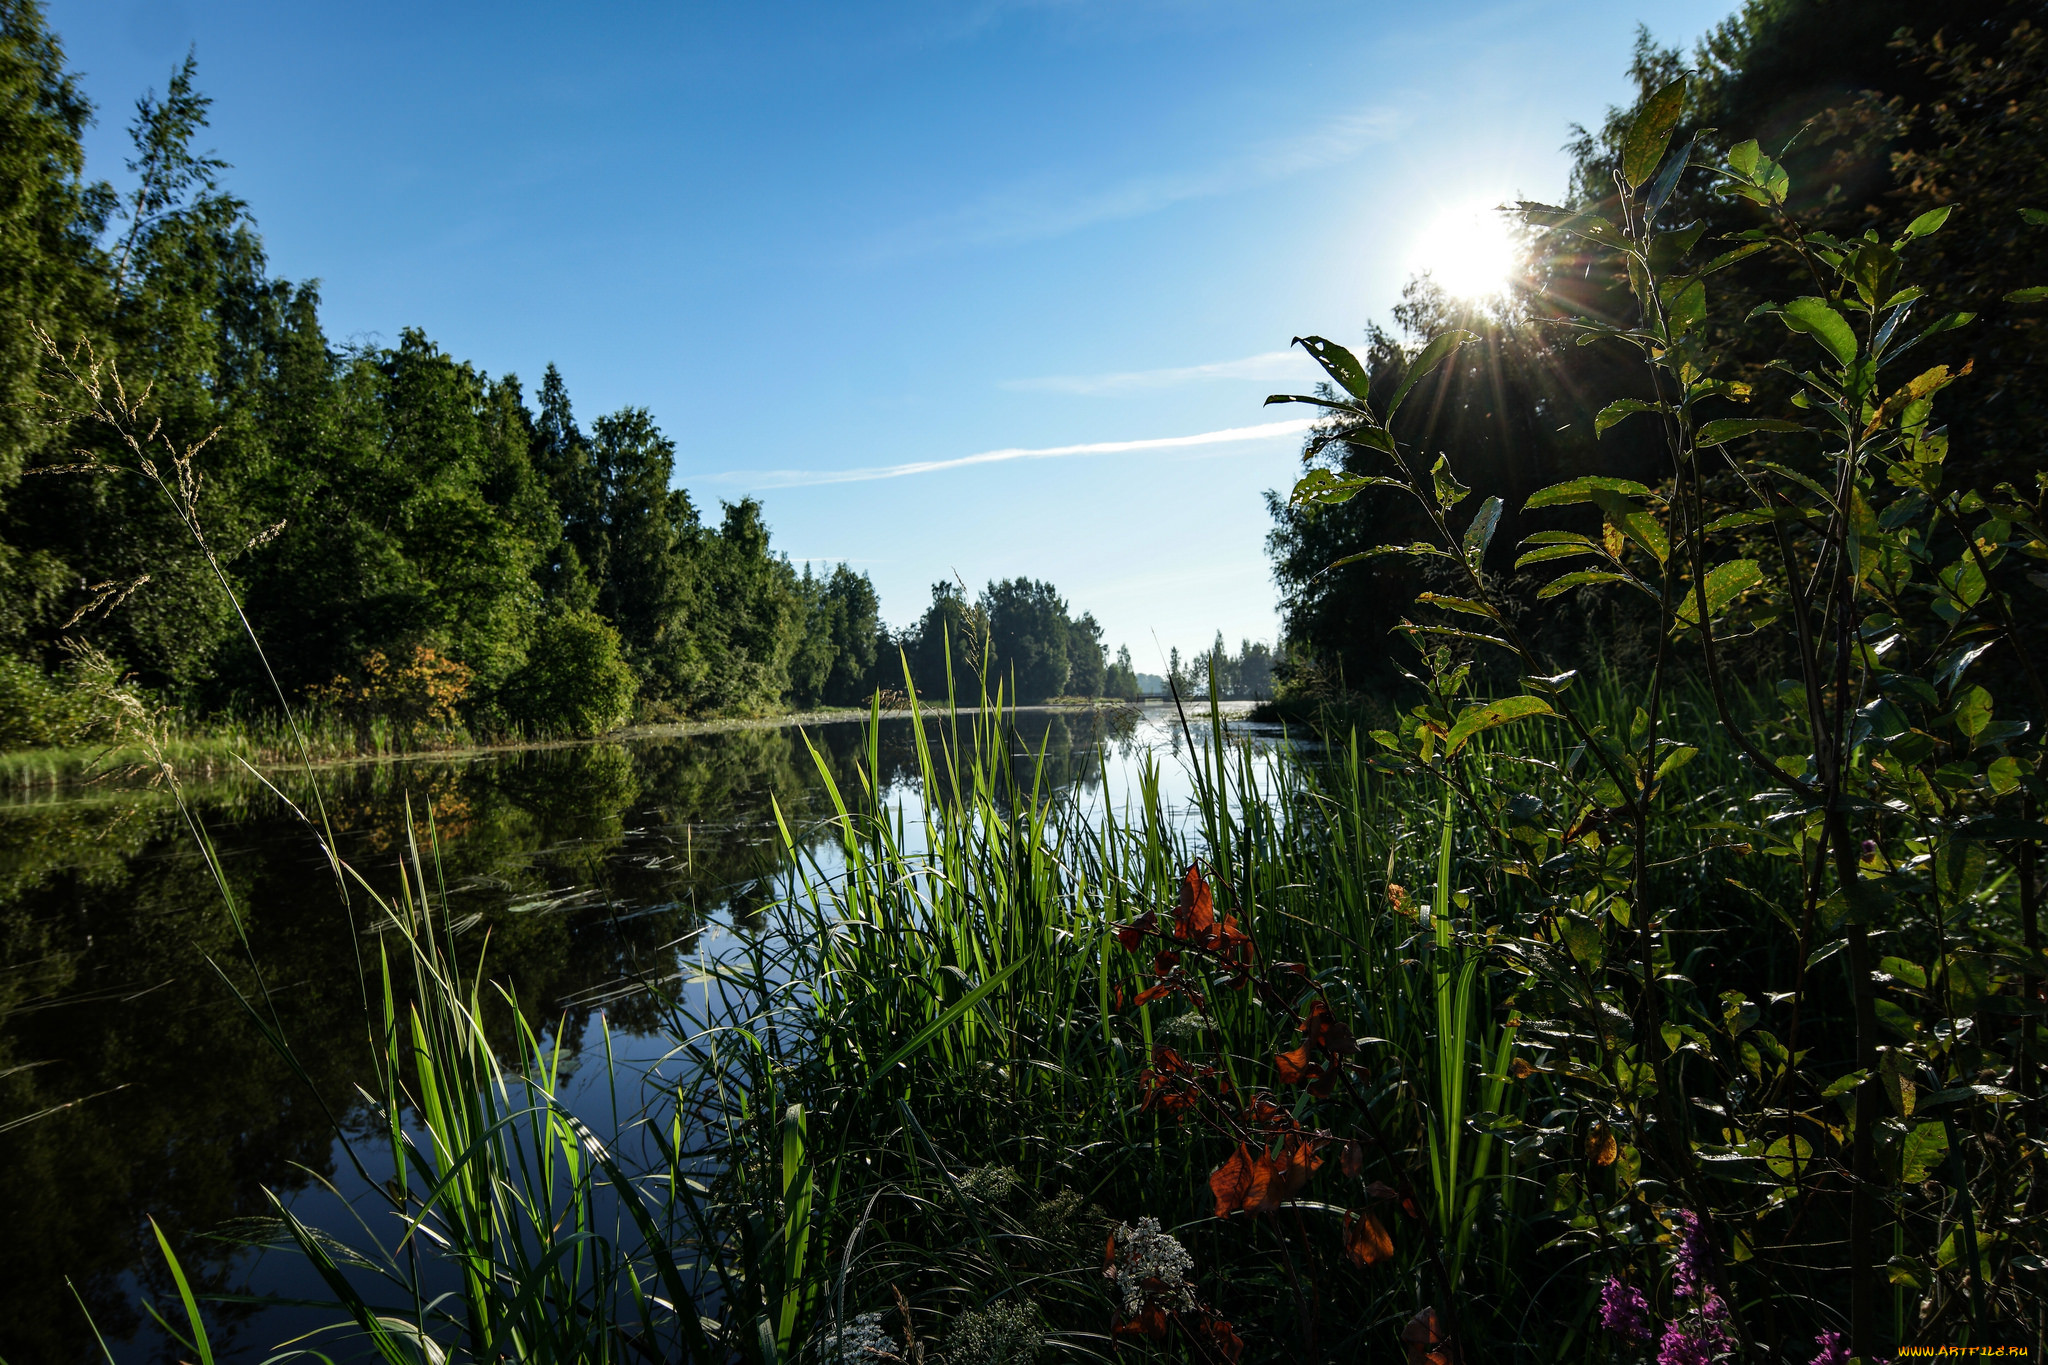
pixel 205 759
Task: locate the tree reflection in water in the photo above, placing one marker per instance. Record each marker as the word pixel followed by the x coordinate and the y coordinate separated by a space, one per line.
pixel 580 867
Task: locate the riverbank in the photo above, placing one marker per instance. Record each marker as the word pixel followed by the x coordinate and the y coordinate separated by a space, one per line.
pixel 222 757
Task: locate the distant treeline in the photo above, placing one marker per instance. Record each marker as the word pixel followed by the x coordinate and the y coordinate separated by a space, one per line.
pixel 413 539
pixel 1880 112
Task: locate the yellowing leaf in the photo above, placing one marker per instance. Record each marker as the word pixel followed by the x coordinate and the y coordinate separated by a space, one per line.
pixel 1650 133
pixel 1476 719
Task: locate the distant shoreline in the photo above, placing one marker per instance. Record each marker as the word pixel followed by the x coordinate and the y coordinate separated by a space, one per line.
pixel 209 760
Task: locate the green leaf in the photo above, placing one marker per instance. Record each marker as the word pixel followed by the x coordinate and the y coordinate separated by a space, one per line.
pixel 1418 549
pixel 2037 217
pixel 2033 294
pixel 199 1342
pixel 1583 490
pixel 2004 775
pixel 1479 535
pixel 1842 1085
pixel 1925 1149
pixel 1971 712
pixel 1814 317
pixel 1742 157
pixel 1339 364
pixel 1725 582
pixel 943 1022
pixel 1643 146
pixel 1788 1156
pixel 1326 487
pixel 1475 719
pixel 1449 492
pixel 1621 408
pixel 1432 356
pixel 1929 223
pixel 1544 553
pixel 1378 438
pixel 1464 604
pixel 1728 428
pixel 1676 759
pixel 1687 308
pixel 1636 522
pixel 1579 580
pixel 1728 258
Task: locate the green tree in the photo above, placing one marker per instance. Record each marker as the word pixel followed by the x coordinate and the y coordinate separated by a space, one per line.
pixel 1085 663
pixel 575 679
pixel 50 278
pixel 945 648
pixel 640 556
pixel 1027 630
pixel 1120 680
pixel 748 642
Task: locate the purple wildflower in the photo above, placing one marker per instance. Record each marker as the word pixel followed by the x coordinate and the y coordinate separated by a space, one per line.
pixel 1624 1311
pixel 1832 1352
pixel 1696 1345
pixel 1691 1269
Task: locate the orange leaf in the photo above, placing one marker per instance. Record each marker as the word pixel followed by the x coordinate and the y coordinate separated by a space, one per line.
pixel 1294 1066
pixel 1601 1148
pixel 1381 1190
pixel 1150 1322
pixel 1366 1240
pixel 1520 1069
pixel 1424 1340
pixel 1151 993
pixel 1232 1182
pixel 1196 915
pixel 1264 1193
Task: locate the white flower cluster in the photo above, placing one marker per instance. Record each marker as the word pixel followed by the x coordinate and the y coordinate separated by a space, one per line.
pixel 860 1343
pixel 989 1183
pixel 1145 1253
pixel 1006 1332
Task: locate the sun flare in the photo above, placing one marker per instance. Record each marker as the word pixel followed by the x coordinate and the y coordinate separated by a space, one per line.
pixel 1468 250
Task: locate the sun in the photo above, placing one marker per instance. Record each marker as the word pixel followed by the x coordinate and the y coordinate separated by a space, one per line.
pixel 1468 250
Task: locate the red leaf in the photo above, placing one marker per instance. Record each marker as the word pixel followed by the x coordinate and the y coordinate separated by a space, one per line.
pixel 1150 1322
pixel 1195 917
pixel 1324 1033
pixel 1366 1240
pixel 1164 963
pixel 1223 1339
pixel 1231 1182
pixel 1353 1160
pixel 1151 993
pixel 1133 934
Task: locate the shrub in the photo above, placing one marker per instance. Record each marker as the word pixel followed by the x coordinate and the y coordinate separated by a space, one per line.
pixel 575 680
pixel 418 696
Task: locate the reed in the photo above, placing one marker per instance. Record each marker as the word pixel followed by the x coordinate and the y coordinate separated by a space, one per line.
pixel 919 1073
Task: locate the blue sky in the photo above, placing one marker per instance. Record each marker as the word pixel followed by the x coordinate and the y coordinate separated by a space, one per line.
pixel 984 288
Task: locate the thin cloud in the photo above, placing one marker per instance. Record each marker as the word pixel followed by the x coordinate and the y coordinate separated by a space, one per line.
pixel 1288 364
pixel 805 478
pixel 1033 211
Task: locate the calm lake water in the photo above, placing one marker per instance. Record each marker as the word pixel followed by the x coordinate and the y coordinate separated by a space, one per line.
pixel 588 867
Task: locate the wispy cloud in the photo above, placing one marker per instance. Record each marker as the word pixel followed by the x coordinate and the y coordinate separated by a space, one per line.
pixel 1035 209
pixel 1289 364
pixel 804 478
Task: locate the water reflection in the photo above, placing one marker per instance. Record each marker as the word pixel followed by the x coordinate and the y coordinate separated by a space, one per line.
pixel 578 867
